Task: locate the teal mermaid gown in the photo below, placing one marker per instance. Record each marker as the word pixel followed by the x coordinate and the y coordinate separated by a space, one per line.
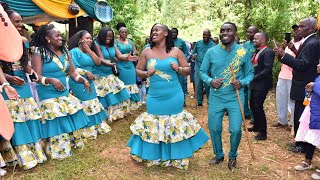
pixel 92 106
pixel 128 74
pixel 111 91
pixel 26 117
pixel 63 114
pixel 165 134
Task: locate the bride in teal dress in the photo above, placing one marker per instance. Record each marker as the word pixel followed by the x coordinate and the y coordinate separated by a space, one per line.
pixel 83 54
pixel 63 114
pixel 127 72
pixel 165 134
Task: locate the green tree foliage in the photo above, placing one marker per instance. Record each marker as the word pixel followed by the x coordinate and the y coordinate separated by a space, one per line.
pixel 191 17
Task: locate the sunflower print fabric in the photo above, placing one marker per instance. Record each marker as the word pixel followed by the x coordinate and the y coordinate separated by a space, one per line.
pixel 92 107
pixel 23 110
pixel 60 107
pixel 164 128
pixel 108 84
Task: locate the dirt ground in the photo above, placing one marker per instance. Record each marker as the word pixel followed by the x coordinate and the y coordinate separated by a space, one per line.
pixel 108 157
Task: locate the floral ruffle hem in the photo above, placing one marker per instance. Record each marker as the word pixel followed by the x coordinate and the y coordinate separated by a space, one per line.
pixel 108 84
pixel 165 128
pixel 59 107
pixel 23 110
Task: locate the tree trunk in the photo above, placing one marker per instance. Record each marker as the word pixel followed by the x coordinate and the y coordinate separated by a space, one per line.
pixel 247 14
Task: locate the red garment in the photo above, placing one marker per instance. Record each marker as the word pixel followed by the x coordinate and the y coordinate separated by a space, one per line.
pixel 255 56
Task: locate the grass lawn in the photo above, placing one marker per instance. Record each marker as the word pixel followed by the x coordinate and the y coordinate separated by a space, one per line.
pixel 108 157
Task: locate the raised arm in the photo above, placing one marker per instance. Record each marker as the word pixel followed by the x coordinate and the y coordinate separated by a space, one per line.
pixel 304 61
pixel 124 58
pixel 94 56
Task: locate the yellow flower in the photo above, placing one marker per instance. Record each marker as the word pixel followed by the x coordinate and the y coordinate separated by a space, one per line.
pixel 241 52
pixel 152 63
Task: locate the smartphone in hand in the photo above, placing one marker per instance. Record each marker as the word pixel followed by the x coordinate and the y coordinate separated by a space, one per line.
pixel 288 37
pixel 33 77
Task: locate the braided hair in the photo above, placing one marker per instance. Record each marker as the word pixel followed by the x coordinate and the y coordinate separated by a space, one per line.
pixel 7 66
pixel 39 42
pixel 169 40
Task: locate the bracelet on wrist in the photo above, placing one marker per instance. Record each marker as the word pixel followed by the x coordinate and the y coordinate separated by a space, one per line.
pixel 43 81
pixel 4 85
pixel 77 77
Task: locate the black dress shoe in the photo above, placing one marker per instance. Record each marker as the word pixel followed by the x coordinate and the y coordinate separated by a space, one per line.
pixel 215 161
pixel 260 137
pixel 252 129
pixel 296 149
pixel 200 104
pixel 232 164
pixel 247 117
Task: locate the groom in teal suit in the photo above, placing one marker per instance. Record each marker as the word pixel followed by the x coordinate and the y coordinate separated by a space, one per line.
pixel 215 72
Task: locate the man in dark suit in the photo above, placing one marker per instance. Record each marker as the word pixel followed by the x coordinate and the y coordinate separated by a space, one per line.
pixel 304 68
pixel 262 61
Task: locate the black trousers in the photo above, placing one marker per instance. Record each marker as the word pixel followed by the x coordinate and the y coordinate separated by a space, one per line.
pixel 298 110
pixel 309 150
pixel 257 99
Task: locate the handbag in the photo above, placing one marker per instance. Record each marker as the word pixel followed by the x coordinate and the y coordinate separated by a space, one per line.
pixel 115 70
pixel 114 67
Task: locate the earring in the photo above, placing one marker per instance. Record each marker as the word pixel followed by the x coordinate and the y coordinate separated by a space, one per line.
pixel 49 41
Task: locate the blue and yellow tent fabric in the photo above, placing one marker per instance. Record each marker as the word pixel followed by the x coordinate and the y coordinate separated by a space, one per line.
pixel 54 8
pixel 88 7
pixel 57 8
pixel 24 7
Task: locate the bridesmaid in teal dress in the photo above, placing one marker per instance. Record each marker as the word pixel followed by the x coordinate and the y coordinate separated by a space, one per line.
pixel 111 91
pixel 82 50
pixel 25 112
pixel 126 68
pixel 63 114
pixel 165 134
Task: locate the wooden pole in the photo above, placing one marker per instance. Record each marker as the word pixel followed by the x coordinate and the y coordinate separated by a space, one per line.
pixel 243 117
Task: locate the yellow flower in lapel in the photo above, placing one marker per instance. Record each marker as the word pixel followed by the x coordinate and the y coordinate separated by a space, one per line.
pixel 241 52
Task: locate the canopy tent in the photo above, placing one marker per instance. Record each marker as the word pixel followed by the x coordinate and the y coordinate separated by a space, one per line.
pixel 88 7
pixel 52 10
pixel 41 19
pixel 25 8
pixel 57 8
